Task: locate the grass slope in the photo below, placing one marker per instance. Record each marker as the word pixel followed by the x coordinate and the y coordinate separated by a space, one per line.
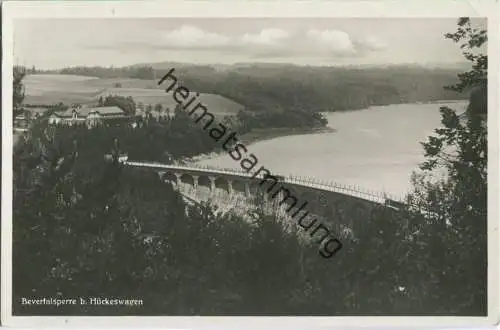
pixel 54 88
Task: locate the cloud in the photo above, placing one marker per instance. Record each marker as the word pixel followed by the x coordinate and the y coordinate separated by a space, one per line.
pixel 266 43
pixel 192 37
pixel 331 41
pixel 371 43
pixel 266 37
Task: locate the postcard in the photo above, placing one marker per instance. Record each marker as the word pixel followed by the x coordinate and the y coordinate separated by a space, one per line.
pixel 237 164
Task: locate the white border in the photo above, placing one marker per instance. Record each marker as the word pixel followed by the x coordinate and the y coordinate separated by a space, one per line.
pixel 175 8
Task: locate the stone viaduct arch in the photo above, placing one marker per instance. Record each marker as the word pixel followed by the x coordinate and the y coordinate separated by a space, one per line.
pixel 325 202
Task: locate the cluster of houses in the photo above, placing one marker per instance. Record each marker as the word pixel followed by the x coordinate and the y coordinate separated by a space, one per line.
pixel 86 115
pixel 91 116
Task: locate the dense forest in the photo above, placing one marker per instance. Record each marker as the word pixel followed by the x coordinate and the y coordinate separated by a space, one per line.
pixel 87 227
pixel 138 72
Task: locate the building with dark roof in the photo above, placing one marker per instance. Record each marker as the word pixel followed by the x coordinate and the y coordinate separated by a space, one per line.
pixel 89 116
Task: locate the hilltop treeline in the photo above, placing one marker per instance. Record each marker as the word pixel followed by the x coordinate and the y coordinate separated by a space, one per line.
pixel 141 72
pixel 326 88
pixel 314 89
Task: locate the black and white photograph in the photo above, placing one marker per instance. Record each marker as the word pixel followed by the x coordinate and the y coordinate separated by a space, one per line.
pixel 157 163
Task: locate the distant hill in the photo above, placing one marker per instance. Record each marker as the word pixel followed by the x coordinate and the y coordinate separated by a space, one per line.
pixel 165 65
pixel 270 65
pixel 283 87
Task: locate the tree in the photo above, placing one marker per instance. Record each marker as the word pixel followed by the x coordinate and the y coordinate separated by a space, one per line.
pixel 476 79
pixel 18 89
pixel 457 204
pixel 144 72
pixel 158 108
pixel 149 112
pixel 178 110
pixel 127 104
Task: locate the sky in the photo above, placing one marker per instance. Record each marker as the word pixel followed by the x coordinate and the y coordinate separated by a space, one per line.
pixel 56 43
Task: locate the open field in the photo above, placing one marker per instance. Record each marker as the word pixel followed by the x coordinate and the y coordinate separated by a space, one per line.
pixel 68 89
pixel 215 103
pixel 53 88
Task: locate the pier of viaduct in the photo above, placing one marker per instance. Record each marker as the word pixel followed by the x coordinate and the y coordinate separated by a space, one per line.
pixel 238 190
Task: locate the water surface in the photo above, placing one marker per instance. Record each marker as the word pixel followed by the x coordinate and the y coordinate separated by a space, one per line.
pixel 376 148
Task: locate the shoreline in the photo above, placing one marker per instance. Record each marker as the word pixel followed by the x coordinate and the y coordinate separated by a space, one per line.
pixel 265 134
pixel 262 134
pixel 385 105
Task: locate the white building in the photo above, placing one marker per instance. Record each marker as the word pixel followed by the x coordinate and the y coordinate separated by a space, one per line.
pixel 89 116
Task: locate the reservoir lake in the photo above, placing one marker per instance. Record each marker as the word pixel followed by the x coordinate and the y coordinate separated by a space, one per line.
pixel 376 148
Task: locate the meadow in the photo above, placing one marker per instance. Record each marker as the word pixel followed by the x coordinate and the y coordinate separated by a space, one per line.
pixel 54 88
